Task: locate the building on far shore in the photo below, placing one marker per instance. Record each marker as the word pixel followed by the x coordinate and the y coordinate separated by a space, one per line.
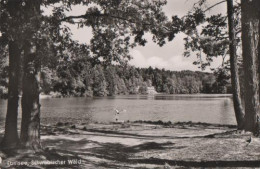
pixel 146 90
pixel 151 90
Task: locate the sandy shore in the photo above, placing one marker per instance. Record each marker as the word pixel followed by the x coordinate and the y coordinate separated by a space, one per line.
pixel 143 145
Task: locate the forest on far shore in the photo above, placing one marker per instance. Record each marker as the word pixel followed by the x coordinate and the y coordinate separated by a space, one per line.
pixel 78 77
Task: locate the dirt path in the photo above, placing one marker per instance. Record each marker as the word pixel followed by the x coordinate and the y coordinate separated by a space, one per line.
pixel 142 145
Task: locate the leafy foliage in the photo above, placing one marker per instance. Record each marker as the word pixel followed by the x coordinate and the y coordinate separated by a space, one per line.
pixel 207 37
pixel 116 26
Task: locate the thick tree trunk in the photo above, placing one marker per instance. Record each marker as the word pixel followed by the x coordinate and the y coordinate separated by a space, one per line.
pixel 30 130
pixel 239 112
pixel 258 51
pixel 249 46
pixel 11 139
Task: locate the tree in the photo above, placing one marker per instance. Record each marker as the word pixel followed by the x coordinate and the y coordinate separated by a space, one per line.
pixel 250 33
pixel 112 80
pixel 222 80
pixel 114 25
pixel 99 82
pixel 213 42
pixel 30 125
pixel 11 139
pixel 239 112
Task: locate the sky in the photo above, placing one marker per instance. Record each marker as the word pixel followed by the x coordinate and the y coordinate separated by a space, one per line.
pixel 170 56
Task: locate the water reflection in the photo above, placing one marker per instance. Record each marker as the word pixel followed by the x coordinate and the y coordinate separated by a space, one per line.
pixel 225 117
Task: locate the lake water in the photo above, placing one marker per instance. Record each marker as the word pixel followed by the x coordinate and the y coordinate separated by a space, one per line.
pixel 196 108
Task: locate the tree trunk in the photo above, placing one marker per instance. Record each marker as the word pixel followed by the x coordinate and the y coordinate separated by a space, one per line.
pixel 239 112
pixel 11 139
pixel 249 46
pixel 258 51
pixel 30 129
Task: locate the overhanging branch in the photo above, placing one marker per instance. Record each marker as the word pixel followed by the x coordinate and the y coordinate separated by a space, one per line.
pixel 86 16
pixel 214 5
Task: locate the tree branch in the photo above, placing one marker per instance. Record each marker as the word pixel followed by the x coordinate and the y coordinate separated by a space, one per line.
pixel 214 5
pixel 98 15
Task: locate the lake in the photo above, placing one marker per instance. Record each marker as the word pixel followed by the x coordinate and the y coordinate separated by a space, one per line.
pixel 197 108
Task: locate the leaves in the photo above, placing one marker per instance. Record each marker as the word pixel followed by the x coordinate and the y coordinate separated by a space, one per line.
pixel 117 25
pixel 207 36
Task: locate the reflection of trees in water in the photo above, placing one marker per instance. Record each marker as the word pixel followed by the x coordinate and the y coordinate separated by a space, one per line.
pixel 226 115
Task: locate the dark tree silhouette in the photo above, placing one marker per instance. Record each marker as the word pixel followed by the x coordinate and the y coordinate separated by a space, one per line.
pixel 239 112
pixel 250 26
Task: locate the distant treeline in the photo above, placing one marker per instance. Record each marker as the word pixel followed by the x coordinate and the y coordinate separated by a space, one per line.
pixel 81 78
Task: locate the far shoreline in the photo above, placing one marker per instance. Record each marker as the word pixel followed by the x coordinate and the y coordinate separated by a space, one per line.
pixel 47 96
